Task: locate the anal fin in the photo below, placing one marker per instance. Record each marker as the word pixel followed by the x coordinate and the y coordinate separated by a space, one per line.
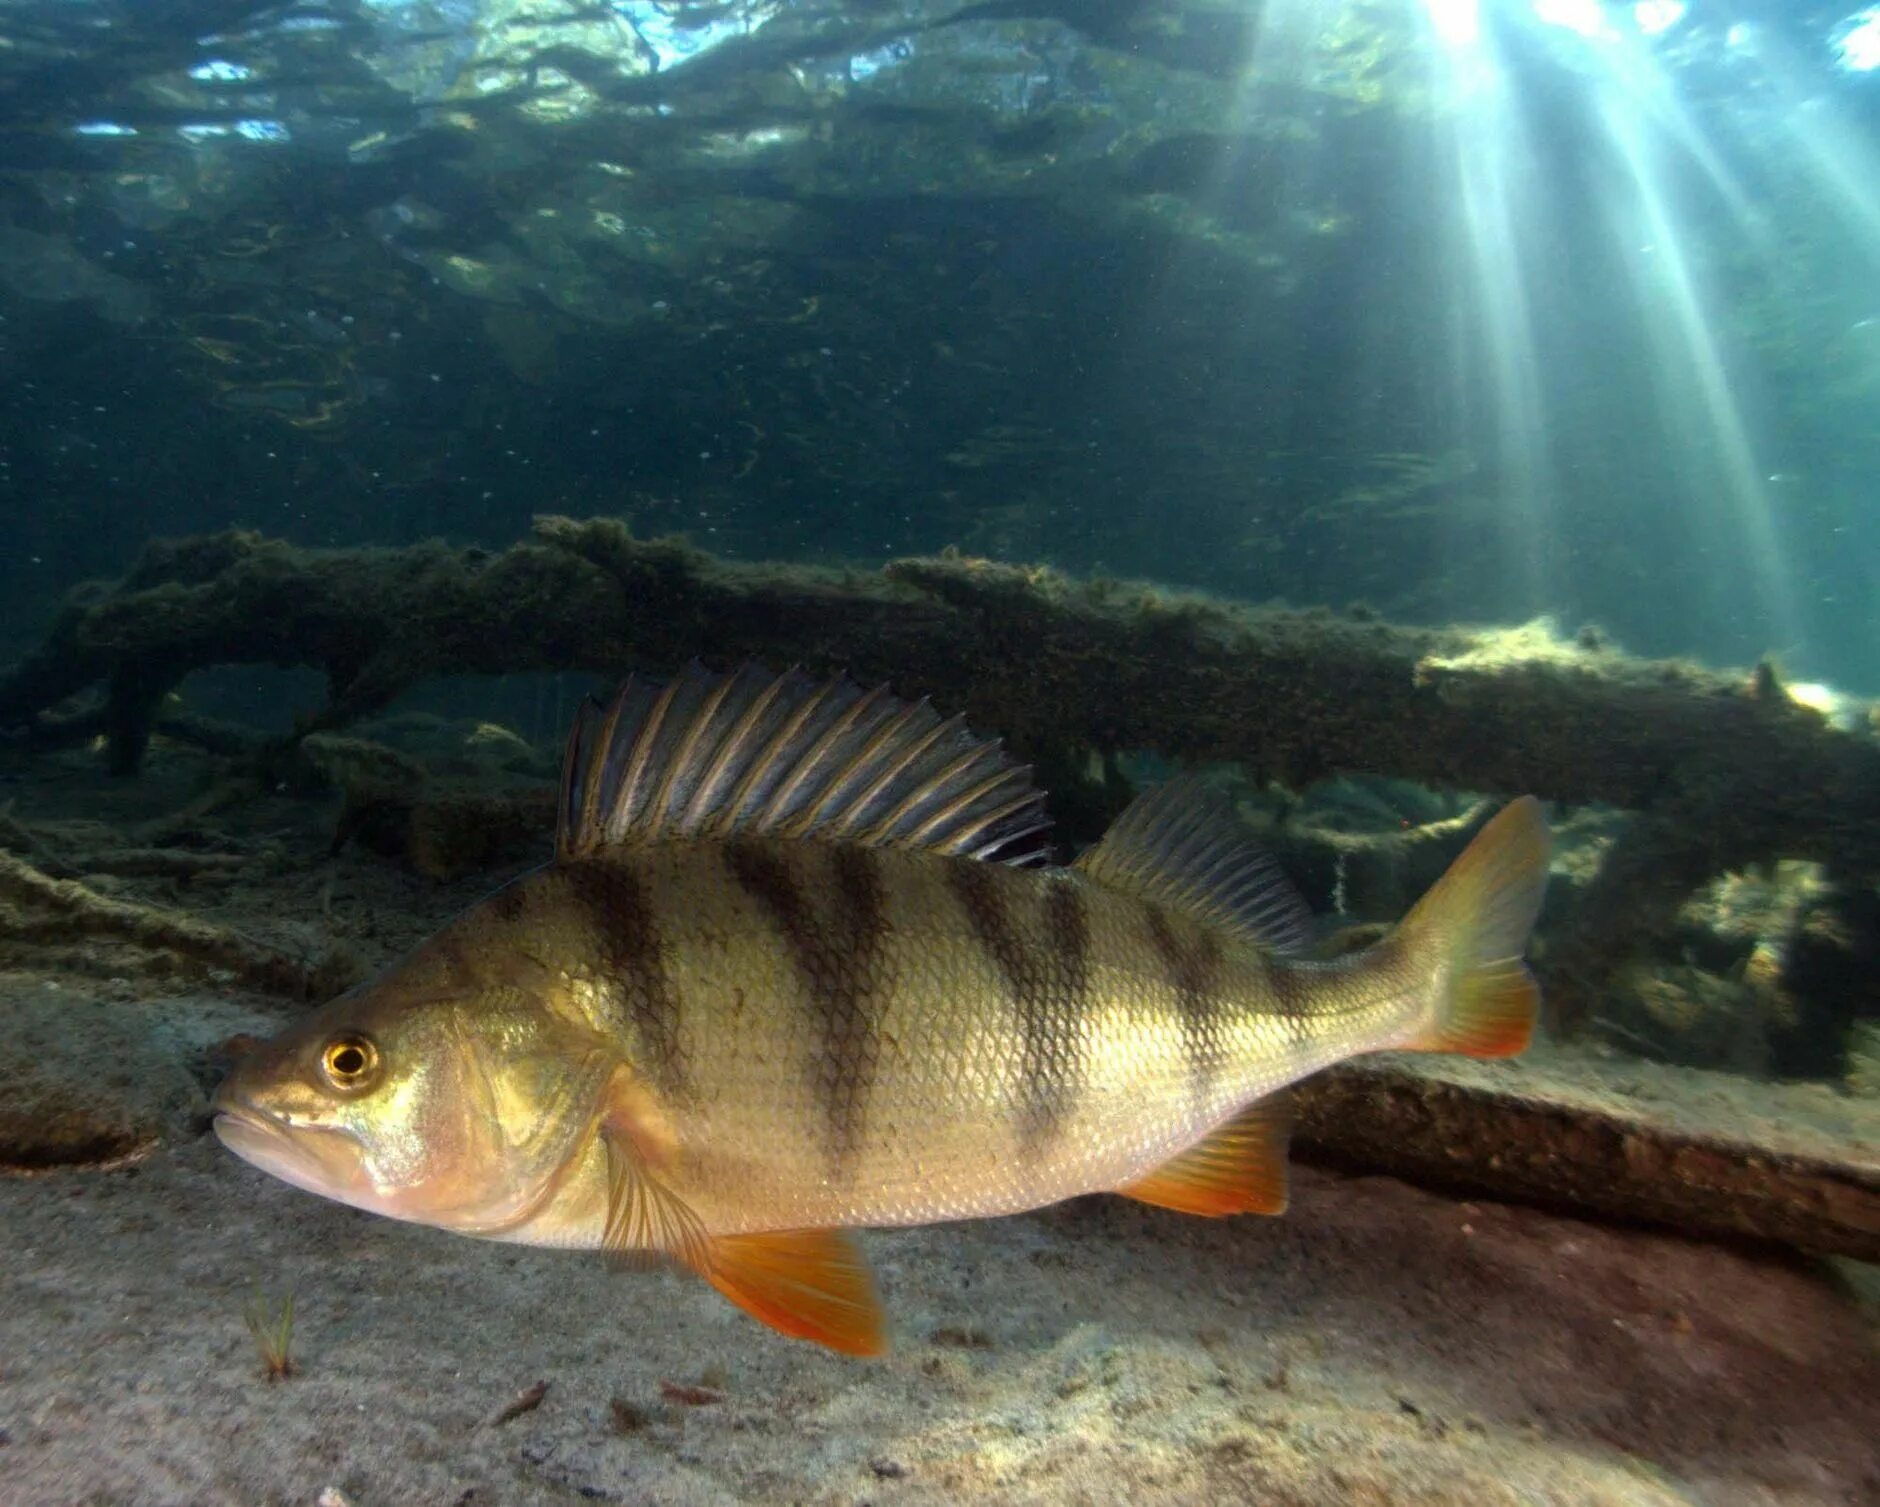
pixel 809 1284
pixel 1239 1168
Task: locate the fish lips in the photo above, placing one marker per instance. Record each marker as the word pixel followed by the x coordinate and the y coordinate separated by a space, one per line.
pixel 316 1160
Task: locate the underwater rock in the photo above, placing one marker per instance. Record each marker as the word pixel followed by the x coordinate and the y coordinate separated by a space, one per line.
pixel 1778 965
pixel 412 745
pixel 1831 969
pixel 344 762
pixel 1675 1013
pixel 86 1082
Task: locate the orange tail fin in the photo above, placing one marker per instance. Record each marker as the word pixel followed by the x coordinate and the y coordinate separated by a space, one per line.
pixel 1473 926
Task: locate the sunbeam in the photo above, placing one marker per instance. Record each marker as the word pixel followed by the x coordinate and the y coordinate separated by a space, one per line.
pixel 1483 150
pixel 1667 184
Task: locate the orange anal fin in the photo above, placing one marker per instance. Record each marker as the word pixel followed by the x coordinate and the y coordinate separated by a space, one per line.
pixel 808 1284
pixel 1240 1168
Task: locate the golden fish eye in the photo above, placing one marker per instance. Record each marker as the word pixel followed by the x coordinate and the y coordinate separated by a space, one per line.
pixel 349 1060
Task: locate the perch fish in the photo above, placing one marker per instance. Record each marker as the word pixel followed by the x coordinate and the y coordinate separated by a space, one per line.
pixel 792 971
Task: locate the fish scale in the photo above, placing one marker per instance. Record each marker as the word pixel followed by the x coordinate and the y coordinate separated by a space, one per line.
pixel 780 982
pixel 891 1073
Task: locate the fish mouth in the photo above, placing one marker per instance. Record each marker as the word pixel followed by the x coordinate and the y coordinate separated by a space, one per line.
pixel 301 1157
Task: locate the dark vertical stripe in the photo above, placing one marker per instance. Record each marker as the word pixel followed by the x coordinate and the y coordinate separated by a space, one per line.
pixel 839 953
pixel 633 955
pixel 1046 983
pixel 1067 934
pixel 1289 988
pixel 1193 965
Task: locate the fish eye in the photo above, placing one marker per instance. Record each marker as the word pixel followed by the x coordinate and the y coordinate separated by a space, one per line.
pixel 348 1061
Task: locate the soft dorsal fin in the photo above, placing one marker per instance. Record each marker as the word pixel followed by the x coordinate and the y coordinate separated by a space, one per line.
pixel 1182 845
pixel 753 754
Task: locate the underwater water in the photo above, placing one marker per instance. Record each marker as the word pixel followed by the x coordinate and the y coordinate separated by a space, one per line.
pixel 1369 411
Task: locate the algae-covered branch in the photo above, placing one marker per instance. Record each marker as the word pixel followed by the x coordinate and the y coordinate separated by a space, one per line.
pixel 1723 770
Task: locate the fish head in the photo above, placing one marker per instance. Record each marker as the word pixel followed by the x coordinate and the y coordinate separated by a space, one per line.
pixel 440 1093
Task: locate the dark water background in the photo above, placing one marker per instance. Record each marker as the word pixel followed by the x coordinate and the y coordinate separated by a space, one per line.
pixel 1285 300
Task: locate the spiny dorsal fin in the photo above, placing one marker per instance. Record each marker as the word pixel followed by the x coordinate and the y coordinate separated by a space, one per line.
pixel 753 754
pixel 1182 845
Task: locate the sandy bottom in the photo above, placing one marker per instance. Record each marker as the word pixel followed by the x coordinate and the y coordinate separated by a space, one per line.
pixel 1380 1344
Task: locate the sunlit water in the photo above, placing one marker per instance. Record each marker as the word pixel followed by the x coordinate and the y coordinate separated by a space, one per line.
pixel 1465 308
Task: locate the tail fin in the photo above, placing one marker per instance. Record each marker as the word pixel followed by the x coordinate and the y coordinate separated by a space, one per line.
pixel 1472 927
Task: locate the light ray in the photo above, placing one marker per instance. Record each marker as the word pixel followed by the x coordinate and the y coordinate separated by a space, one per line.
pixel 1484 148
pixel 1693 378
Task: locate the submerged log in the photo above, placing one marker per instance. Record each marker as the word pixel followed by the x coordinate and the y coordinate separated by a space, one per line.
pixel 1700 1152
pixel 61 917
pixel 1724 770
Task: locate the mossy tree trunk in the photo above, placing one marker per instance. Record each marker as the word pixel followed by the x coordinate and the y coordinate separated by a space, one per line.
pixel 1722 770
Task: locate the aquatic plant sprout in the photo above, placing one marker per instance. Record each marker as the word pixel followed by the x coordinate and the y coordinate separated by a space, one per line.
pixel 270 1323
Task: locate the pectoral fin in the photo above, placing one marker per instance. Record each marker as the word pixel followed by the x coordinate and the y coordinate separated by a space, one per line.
pixel 645 1218
pixel 809 1284
pixel 1238 1169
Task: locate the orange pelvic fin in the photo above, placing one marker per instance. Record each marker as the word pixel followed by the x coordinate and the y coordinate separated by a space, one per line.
pixel 808 1284
pixel 1240 1168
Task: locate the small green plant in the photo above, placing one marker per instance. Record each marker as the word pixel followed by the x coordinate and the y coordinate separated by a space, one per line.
pixel 272 1325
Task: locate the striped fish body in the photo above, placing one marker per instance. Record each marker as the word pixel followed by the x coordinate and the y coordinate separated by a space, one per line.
pixel 851 1036
pixel 779 982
